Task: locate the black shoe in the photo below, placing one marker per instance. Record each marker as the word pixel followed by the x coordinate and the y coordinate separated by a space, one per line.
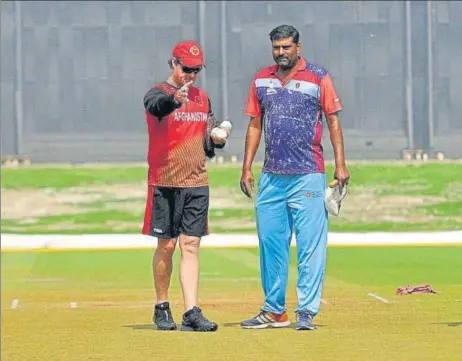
pixel 163 317
pixel 304 321
pixel 194 320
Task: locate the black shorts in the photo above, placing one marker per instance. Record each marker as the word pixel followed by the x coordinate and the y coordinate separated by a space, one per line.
pixel 174 211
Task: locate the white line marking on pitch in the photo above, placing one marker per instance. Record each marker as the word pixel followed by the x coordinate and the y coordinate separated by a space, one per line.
pixel 73 304
pixel 324 301
pixel 377 297
pixel 15 303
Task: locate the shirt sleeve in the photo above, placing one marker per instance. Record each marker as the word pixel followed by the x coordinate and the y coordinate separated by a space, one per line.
pixel 159 104
pixel 330 103
pixel 253 108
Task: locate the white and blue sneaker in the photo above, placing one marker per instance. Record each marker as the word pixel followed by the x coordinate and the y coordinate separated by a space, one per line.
pixel 267 319
pixel 304 321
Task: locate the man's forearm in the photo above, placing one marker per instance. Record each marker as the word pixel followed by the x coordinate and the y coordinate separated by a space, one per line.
pixel 159 104
pixel 252 141
pixel 336 138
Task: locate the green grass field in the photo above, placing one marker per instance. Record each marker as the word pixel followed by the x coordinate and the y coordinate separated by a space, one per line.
pixel 114 294
pixel 114 297
pixel 110 199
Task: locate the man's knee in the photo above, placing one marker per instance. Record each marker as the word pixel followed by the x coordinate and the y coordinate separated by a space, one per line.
pixel 189 244
pixel 166 246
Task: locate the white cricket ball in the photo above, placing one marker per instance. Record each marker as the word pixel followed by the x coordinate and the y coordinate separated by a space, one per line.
pixel 219 133
pixel 226 125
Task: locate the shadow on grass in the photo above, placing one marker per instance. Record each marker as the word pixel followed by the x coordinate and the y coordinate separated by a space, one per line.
pixel 228 324
pixel 238 324
pixel 449 324
pixel 148 326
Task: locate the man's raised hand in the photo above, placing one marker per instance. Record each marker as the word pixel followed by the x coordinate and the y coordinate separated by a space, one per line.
pixel 181 96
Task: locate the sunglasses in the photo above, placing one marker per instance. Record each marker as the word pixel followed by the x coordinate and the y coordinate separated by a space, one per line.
pixel 188 70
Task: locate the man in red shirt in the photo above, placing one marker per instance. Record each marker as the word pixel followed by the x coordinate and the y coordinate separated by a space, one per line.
pixel 179 119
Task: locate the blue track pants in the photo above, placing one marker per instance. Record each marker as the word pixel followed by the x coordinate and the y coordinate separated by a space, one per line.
pixel 285 203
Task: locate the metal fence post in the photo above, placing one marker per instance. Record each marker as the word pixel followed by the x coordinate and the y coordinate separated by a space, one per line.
pixel 409 82
pixel 430 73
pixel 224 61
pixel 18 92
pixel 202 14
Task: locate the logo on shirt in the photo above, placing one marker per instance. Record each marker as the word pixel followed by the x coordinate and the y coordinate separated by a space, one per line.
pixel 198 100
pixel 336 100
pixel 190 117
pixel 271 89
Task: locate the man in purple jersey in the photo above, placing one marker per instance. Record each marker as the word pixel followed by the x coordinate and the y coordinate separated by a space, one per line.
pixel 287 101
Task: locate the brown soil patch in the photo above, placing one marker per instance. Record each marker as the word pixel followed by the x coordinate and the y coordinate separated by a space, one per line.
pixel 229 198
pixel 29 204
pixel 234 223
pixel 19 204
pixel 361 204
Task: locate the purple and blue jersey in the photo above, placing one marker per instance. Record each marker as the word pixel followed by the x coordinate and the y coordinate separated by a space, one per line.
pixel 291 111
